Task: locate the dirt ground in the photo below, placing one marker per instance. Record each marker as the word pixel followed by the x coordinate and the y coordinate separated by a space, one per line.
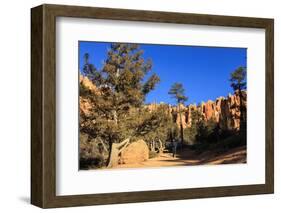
pixel 188 157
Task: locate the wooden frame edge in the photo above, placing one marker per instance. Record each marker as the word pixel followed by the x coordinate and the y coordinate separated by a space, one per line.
pixel 154 196
pixel 269 118
pixel 36 106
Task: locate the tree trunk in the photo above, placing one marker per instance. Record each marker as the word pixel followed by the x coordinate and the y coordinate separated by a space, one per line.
pixel 161 147
pixel 115 117
pixel 104 147
pixel 152 146
pixel 242 111
pixel 115 150
pixel 171 135
pixel 114 156
pixel 181 126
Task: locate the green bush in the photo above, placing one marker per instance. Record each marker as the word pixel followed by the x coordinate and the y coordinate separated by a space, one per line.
pixel 223 145
pixel 90 157
pixel 231 142
pixel 91 163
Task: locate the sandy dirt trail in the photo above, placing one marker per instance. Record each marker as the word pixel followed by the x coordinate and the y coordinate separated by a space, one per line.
pixel 188 157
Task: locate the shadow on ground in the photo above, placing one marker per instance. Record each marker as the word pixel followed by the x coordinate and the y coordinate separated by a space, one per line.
pixel 24 199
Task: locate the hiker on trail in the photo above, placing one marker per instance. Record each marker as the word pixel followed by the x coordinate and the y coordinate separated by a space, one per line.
pixel 175 144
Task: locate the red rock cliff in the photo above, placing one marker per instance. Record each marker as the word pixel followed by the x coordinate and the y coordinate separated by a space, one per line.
pixel 224 110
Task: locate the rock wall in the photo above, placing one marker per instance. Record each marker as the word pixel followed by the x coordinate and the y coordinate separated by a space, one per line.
pixel 227 111
pixel 224 110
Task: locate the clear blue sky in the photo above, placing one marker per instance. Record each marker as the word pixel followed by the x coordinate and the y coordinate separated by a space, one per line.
pixel 204 71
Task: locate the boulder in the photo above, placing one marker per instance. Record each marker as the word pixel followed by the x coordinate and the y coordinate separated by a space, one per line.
pixel 135 152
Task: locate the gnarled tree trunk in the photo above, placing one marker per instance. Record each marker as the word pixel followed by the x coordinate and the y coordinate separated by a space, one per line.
pixel 115 150
pixel 161 147
pixel 152 146
pixel 181 125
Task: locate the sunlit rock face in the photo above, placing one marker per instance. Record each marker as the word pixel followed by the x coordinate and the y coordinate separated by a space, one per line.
pixel 226 111
pixel 85 106
pixel 87 83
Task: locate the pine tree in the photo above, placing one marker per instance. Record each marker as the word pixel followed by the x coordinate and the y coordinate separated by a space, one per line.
pixel 89 69
pixel 192 131
pixel 238 79
pixel 122 90
pixel 238 83
pixel 154 126
pixel 177 92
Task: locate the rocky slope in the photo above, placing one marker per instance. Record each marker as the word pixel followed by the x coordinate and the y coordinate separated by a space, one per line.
pixel 224 110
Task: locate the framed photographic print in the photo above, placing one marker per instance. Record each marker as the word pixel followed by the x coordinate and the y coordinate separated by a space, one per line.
pixel 137 106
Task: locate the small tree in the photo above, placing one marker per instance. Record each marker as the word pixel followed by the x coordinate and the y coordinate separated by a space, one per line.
pixel 238 79
pixel 155 126
pixel 89 69
pixel 192 131
pixel 178 93
pixel 238 83
pixel 206 131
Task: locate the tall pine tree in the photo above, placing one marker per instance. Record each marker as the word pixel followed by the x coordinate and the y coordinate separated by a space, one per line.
pixel 123 83
pixel 177 92
pixel 238 83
